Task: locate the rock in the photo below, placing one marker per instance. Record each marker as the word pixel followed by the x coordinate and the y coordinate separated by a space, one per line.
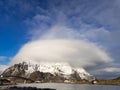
pixel 45 77
pixel 28 88
pixel 16 70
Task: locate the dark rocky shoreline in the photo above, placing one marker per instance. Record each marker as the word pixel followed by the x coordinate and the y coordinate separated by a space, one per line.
pixel 25 88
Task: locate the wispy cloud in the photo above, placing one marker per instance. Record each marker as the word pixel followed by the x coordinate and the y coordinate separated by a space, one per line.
pixel 3 57
pixel 112 70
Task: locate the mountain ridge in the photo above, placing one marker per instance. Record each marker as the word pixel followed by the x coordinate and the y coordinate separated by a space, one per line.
pixel 48 72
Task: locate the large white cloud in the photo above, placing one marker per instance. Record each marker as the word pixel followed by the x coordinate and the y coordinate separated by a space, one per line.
pixel 77 53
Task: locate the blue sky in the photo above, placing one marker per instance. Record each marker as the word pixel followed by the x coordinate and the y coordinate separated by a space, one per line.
pixel 94 21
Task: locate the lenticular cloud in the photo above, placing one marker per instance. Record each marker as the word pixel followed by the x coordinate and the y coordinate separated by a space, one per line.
pixel 77 53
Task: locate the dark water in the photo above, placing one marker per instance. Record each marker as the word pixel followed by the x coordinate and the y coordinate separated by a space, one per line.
pixel 60 86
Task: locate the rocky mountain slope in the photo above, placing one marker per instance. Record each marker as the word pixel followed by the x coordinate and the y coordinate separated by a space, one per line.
pixel 48 72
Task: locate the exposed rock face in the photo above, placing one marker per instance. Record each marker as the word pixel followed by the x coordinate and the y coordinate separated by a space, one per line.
pixel 45 77
pixel 75 76
pixel 37 75
pixel 16 70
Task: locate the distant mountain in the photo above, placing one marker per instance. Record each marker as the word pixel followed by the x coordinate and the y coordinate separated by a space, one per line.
pixel 118 78
pixel 48 72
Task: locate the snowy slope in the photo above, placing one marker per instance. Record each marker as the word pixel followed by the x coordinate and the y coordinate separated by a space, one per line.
pixel 61 69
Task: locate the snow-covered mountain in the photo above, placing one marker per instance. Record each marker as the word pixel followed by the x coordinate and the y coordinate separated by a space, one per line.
pixel 52 70
pixel 61 69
